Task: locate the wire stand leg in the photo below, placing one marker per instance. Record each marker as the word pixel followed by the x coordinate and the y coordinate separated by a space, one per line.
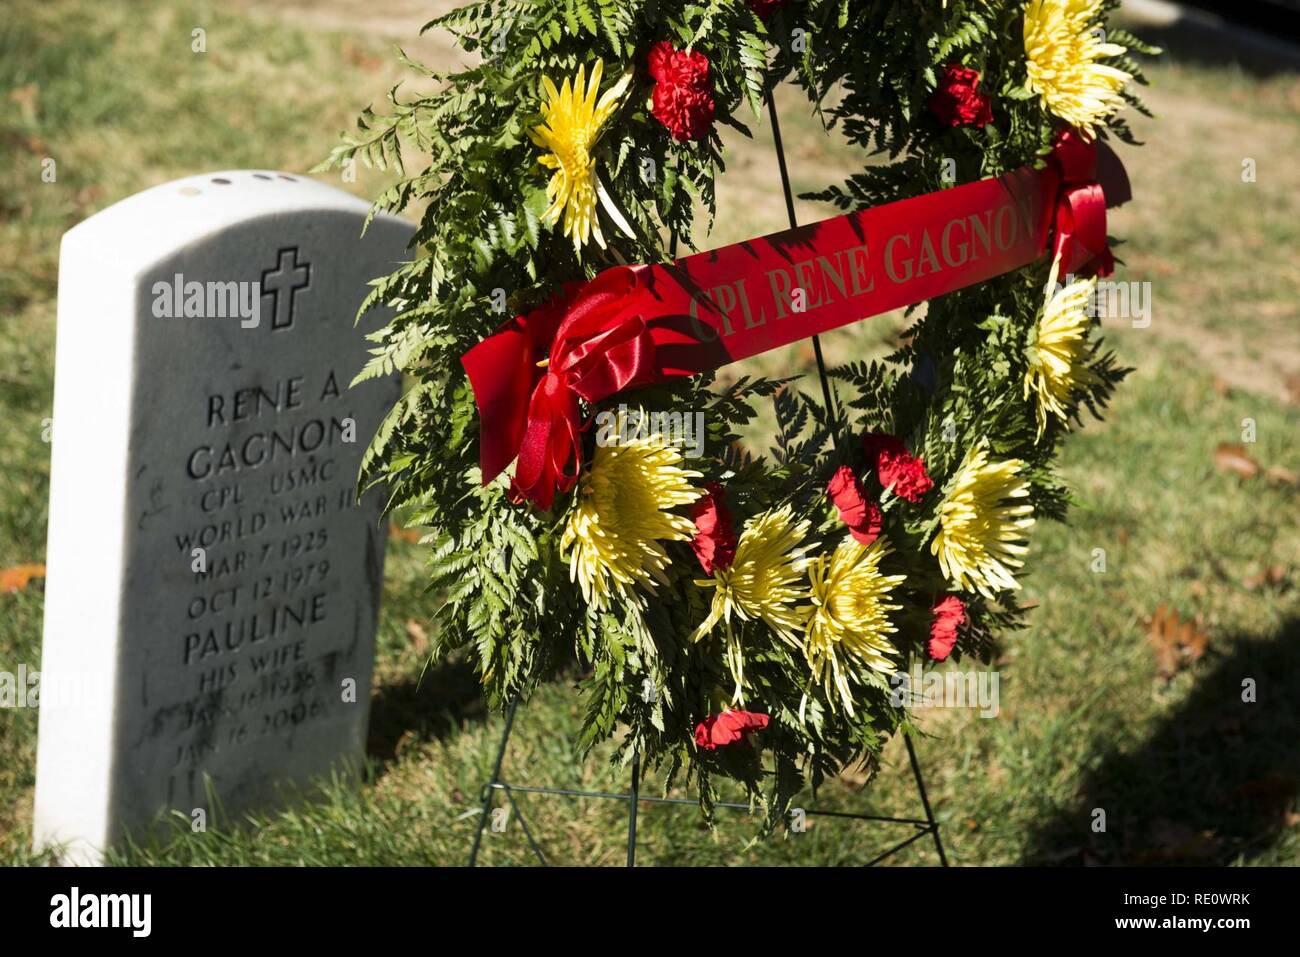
pixel 925 801
pixel 794 222
pixel 632 803
pixel 488 788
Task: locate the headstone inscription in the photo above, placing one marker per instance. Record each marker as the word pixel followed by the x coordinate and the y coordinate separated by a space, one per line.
pixel 213 586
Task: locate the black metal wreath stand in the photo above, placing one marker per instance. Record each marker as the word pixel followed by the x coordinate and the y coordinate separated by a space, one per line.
pixel 633 798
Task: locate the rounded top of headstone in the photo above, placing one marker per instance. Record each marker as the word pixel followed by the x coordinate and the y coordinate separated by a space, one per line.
pixel 150 224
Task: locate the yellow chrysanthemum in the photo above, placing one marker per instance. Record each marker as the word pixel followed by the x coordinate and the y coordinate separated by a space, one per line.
pixel 849 616
pixel 1062 46
pixel 573 117
pixel 613 535
pixel 982 524
pixel 1058 350
pixel 763 582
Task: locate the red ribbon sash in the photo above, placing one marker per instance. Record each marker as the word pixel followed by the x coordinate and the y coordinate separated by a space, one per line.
pixel 634 325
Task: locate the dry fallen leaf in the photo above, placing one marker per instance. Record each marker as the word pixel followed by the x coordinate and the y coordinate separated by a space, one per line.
pixel 419 637
pixel 1270 576
pixel 1293 387
pixel 1281 477
pixel 19 577
pixel 1230 725
pixel 1176 643
pixel 1230 457
pixel 1272 794
pixel 358 57
pixel 87 198
pixel 1176 841
pixel 35 145
pixel 1073 854
pixel 25 97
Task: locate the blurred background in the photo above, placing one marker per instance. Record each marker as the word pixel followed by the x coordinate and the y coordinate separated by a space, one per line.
pixel 1124 694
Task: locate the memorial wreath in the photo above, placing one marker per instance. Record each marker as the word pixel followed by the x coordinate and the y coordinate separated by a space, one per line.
pixel 741 616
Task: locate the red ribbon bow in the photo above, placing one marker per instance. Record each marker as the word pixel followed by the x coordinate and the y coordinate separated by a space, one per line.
pixel 1079 220
pixel 594 346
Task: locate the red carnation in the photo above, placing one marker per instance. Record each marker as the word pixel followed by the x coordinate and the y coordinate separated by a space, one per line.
pixel 660 55
pixel 896 467
pixel 683 93
pixel 715 536
pixel 949 615
pixel 718 731
pixel 764 8
pixel 957 101
pixel 859 513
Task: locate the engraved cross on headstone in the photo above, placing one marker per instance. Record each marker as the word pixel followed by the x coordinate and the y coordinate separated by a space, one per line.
pixel 288 277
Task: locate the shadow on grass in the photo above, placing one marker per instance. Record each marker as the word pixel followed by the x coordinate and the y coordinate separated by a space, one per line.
pixel 432 705
pixel 1256 52
pixel 1214 784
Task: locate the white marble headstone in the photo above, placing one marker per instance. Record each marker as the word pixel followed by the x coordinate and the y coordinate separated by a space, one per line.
pixel 203 420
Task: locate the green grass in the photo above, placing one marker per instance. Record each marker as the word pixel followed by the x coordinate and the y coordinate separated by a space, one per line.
pixel 1185 771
